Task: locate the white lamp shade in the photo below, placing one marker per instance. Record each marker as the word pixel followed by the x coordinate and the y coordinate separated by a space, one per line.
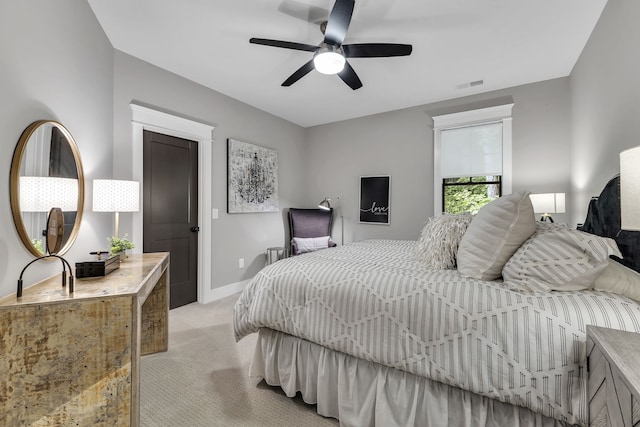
pixel 630 189
pixel 113 195
pixel 41 193
pixel 548 203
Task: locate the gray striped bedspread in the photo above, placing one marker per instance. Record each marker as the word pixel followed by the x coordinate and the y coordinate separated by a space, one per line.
pixel 375 301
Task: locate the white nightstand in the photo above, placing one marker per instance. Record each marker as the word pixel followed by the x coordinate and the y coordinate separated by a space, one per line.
pixel 613 361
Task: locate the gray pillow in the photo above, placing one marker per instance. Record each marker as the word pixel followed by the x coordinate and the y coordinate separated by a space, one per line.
pixel 495 233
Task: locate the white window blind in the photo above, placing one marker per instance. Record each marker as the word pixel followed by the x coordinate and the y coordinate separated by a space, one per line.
pixel 471 151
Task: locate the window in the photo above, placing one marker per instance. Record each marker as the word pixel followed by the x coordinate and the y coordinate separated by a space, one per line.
pixel 469 193
pixel 472 158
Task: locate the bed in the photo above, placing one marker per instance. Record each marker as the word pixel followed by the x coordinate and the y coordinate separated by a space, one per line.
pixel 374 336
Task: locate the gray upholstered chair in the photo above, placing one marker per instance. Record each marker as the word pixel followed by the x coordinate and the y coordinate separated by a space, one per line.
pixel 309 223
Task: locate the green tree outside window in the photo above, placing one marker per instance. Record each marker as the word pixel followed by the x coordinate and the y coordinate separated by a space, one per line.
pixel 469 194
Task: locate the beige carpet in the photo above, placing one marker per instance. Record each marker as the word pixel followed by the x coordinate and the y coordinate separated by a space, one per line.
pixel 203 380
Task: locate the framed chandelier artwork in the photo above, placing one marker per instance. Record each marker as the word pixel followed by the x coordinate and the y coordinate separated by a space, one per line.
pixel 252 178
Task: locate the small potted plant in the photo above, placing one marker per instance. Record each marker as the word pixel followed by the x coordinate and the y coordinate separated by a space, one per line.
pixel 37 243
pixel 120 245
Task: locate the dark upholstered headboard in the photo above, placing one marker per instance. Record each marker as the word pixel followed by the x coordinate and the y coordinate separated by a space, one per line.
pixel 603 219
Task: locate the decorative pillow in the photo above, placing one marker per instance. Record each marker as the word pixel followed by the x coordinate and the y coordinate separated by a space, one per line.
pixel 495 233
pixel 440 238
pixel 559 259
pixel 311 244
pixel 618 279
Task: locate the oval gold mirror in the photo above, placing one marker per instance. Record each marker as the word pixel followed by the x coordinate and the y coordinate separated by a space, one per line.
pixel 46 173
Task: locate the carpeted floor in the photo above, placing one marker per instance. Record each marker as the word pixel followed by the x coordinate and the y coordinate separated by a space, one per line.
pixel 203 380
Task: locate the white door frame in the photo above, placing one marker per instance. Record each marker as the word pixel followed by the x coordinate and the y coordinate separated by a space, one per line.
pixel 144 118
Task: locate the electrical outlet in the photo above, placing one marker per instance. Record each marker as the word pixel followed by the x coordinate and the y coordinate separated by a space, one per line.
pixel 240 262
pixel 214 213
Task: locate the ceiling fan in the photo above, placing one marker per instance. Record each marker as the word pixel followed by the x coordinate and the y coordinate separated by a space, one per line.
pixel 330 57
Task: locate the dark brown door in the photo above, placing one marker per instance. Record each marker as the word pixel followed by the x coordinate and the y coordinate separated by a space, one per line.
pixel 170 197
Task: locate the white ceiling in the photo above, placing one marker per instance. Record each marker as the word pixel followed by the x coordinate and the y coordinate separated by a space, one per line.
pixel 503 42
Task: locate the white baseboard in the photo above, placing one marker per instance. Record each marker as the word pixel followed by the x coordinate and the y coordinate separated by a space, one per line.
pixel 224 291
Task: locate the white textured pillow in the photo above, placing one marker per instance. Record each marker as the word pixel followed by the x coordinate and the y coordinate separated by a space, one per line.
pixel 440 238
pixel 311 244
pixel 559 259
pixel 495 233
pixel 619 279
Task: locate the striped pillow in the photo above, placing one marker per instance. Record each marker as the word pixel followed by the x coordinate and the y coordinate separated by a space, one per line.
pixel 499 228
pixel 556 258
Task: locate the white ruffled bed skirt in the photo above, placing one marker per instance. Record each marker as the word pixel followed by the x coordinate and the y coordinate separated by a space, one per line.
pixel 361 393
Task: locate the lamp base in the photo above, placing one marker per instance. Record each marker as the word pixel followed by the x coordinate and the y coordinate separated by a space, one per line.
pixel 546 217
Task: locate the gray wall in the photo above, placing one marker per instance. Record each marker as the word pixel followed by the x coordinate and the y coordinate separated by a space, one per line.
pixel 55 64
pixel 605 101
pixel 234 235
pixel 400 144
pixel 567 132
pixel 65 69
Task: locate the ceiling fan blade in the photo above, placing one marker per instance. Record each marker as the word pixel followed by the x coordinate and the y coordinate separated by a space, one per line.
pixel 349 76
pixel 376 50
pixel 339 21
pixel 284 44
pixel 300 73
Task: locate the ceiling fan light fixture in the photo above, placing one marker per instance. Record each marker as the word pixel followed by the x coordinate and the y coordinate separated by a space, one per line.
pixel 329 59
pixel 330 56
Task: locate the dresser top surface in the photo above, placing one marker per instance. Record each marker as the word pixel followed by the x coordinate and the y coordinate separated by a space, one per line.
pixel 129 279
pixel 622 349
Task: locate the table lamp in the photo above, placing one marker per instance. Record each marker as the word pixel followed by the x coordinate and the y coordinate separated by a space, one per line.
pixel 548 203
pixel 630 189
pixel 114 195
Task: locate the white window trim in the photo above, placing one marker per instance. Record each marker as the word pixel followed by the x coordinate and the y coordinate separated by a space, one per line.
pixel 468 118
pixel 144 118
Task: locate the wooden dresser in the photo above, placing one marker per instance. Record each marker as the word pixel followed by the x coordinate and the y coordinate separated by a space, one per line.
pixel 614 377
pixel 74 359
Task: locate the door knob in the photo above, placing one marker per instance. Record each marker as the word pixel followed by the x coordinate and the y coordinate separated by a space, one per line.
pixel 195 229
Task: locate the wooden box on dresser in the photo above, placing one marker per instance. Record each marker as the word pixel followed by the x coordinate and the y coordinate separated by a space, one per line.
pixel 74 359
pixel 613 361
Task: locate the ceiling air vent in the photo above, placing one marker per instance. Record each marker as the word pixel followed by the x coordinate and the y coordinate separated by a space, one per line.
pixel 470 84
